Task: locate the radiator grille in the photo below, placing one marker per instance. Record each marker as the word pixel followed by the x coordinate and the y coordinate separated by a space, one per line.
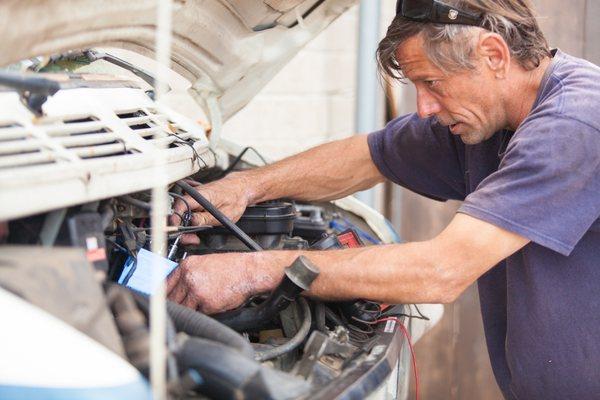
pixel 80 137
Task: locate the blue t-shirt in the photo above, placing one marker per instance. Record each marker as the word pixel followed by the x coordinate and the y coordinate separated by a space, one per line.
pixel 541 306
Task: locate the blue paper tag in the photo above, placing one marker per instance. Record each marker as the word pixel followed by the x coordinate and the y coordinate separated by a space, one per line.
pixel 147 272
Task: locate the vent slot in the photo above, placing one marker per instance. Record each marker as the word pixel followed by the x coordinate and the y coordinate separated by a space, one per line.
pixel 80 120
pixel 112 149
pixel 10 131
pixel 29 159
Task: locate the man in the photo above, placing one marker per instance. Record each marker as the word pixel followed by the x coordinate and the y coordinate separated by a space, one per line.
pixel 503 124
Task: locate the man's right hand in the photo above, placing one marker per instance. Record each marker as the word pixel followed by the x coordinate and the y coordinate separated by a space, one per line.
pixel 231 195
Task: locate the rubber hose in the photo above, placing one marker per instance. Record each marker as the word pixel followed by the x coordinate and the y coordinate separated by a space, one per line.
pixel 320 317
pixel 131 324
pixel 219 216
pixel 256 318
pixel 294 342
pixel 197 324
pixel 143 302
pixel 225 373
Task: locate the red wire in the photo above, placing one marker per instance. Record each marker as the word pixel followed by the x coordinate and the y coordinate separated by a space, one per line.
pixel 412 351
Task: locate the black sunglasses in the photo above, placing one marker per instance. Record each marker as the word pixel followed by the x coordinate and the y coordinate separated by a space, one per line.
pixel 435 11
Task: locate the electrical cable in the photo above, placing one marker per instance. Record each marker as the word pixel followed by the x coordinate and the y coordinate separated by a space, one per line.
pixel 410 346
pixel 219 216
pixel 421 316
pixel 294 342
pixel 117 245
pixel 197 157
pixel 182 198
pixel 390 313
pixel 239 158
pixel 181 217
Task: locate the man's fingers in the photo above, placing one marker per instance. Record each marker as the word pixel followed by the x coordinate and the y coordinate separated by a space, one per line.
pixel 204 218
pixel 174 220
pixel 192 182
pixel 173 280
pixel 178 294
pixel 190 301
pixel 180 206
pixel 189 239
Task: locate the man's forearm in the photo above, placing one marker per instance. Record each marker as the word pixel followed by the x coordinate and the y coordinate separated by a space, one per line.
pixel 330 171
pixel 400 273
pixel 433 271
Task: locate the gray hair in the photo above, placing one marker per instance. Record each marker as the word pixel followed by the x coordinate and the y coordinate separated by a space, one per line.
pixel 451 47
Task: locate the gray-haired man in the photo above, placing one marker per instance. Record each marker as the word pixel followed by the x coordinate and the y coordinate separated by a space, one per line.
pixel 507 126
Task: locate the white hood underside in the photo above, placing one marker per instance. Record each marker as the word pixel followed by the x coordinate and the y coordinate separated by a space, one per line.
pixel 227 49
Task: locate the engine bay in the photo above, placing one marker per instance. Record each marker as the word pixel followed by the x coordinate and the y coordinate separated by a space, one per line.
pixel 278 345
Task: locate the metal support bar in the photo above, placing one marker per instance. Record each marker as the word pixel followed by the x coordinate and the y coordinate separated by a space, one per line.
pixel 367 96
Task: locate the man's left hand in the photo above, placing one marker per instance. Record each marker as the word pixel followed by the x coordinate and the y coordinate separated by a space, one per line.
pixel 219 282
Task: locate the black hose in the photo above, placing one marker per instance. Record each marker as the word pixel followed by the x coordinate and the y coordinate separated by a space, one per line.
pixel 320 317
pixel 298 278
pixel 143 302
pixel 330 315
pixel 259 317
pixel 219 216
pixel 131 324
pixel 197 324
pixel 294 342
pixel 226 374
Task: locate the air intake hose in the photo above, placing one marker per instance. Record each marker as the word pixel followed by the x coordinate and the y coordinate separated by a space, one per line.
pixel 298 277
pixel 226 374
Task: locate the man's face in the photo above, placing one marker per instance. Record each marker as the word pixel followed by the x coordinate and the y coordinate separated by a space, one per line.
pixel 468 102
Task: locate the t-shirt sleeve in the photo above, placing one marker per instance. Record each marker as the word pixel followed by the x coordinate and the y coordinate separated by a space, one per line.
pixel 547 187
pixel 421 155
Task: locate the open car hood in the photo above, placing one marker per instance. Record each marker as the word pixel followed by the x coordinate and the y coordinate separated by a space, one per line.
pixel 227 49
pixel 100 139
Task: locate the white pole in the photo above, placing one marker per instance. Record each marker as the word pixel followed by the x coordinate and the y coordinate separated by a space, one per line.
pixel 158 352
pixel 368 88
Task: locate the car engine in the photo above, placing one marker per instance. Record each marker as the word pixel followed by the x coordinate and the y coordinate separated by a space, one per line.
pixel 292 343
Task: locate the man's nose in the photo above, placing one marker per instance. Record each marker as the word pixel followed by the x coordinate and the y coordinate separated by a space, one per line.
pixel 427 105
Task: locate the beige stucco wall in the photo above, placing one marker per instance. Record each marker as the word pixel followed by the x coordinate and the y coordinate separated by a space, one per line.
pixel 310 101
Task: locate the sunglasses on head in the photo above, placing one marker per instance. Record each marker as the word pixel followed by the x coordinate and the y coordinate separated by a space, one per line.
pixel 435 11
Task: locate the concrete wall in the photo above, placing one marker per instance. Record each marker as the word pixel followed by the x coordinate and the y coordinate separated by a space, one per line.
pixel 310 101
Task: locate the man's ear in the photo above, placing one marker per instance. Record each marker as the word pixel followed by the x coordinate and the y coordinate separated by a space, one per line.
pixel 495 53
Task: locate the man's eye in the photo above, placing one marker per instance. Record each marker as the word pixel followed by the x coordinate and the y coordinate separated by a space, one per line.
pixel 432 83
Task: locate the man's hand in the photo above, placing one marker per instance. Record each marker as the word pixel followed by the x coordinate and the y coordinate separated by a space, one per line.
pixel 231 195
pixel 219 282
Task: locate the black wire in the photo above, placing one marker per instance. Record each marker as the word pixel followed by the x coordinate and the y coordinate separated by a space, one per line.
pixel 114 243
pixel 181 217
pixel 219 216
pixel 420 313
pixel 239 158
pixel 197 157
pixel 182 198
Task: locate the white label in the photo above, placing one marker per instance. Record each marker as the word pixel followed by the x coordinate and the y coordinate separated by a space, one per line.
pixel 389 326
pixel 91 243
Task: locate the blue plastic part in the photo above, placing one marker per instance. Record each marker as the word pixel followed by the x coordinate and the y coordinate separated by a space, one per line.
pixel 145 273
pixel 139 390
